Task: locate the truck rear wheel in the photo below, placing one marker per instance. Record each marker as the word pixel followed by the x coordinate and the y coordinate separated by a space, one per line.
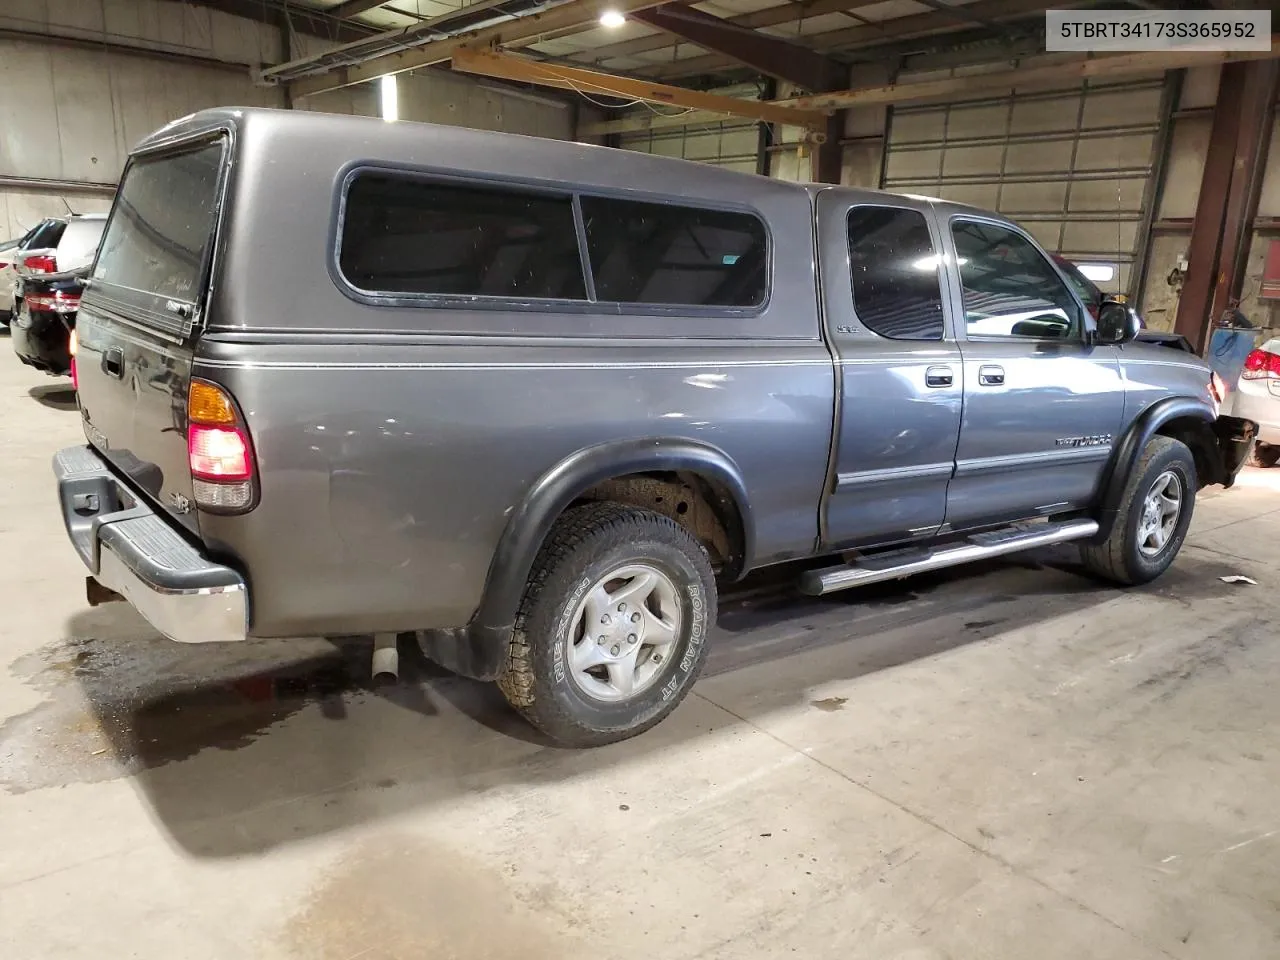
pixel 612 631
pixel 1154 516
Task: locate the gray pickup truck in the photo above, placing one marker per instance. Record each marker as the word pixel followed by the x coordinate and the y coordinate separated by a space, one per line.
pixel 533 401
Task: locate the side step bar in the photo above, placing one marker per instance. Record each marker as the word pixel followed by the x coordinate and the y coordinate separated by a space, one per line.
pixel 978 547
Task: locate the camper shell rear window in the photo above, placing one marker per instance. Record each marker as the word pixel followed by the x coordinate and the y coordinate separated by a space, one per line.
pixel 161 228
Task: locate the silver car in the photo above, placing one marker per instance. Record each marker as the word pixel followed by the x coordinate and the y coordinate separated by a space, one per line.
pixel 1257 396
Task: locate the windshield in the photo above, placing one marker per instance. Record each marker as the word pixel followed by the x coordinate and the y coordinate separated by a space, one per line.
pixel 162 224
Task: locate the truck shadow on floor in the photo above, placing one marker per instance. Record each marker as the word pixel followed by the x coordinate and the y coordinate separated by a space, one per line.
pixel 56 396
pixel 240 750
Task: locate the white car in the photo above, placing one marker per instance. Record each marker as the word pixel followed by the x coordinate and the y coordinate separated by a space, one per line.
pixel 1257 398
pixel 45 233
pixel 71 243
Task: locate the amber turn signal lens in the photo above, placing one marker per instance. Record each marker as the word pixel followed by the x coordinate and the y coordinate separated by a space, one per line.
pixel 209 404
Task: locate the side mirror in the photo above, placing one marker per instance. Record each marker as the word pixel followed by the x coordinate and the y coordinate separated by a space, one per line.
pixel 1117 322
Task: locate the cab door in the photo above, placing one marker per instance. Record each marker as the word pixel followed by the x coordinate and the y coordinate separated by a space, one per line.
pixel 1043 405
pixel 898 371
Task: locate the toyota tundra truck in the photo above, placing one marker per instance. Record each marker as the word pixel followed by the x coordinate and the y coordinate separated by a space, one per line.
pixel 535 402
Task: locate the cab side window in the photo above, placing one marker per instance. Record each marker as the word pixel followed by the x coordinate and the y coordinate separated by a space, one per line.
pixel 894 270
pixel 1010 290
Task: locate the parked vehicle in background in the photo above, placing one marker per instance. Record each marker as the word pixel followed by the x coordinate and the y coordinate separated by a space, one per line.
pixel 1174 341
pixel 46 315
pixel 75 247
pixel 1257 396
pixel 37 240
pixel 534 401
pixel 1093 298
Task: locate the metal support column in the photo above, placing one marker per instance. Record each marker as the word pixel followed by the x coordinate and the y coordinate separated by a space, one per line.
pixel 1228 196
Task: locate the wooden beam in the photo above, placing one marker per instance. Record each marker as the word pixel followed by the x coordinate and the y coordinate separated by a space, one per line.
pixel 1108 67
pixel 573 16
pixel 507 67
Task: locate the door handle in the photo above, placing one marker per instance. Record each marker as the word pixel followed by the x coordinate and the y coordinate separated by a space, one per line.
pixel 991 376
pixel 939 377
pixel 113 362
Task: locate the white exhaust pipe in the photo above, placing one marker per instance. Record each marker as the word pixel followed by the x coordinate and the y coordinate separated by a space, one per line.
pixel 386 658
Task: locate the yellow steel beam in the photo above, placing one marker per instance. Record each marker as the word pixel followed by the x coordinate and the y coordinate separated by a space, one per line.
pixel 507 67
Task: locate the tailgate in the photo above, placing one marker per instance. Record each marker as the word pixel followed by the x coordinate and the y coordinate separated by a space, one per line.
pixel 138 320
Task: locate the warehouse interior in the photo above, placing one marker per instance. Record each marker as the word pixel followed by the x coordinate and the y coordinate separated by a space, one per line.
pixel 999 761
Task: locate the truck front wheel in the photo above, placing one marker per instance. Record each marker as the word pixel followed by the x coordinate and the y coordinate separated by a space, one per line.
pixel 1154 516
pixel 613 628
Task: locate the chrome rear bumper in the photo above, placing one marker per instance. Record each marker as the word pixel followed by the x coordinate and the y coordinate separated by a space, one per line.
pixel 132 551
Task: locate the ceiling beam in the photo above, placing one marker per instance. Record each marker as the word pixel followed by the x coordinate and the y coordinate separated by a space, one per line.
pixel 766 54
pixel 508 67
pixel 353 8
pixel 1033 72
pixel 308 20
pixel 873 34
pixel 1095 68
pixel 572 16
pixel 769 17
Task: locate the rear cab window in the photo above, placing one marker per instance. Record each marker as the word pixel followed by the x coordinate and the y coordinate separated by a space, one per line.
pixel 894 270
pixel 157 240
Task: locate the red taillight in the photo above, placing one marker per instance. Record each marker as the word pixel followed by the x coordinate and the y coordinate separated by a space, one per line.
pixel 1261 365
pixel 218 453
pixel 56 302
pixel 218 450
pixel 73 344
pixel 41 264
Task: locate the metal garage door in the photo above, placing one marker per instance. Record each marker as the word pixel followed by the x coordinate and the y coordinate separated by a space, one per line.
pixel 731 144
pixel 1072 166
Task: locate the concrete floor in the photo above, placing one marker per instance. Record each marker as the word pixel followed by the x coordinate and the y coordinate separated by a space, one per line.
pixel 1002 762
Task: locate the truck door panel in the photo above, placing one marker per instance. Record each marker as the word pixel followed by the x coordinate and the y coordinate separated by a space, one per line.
pixel 1042 407
pixel 899 376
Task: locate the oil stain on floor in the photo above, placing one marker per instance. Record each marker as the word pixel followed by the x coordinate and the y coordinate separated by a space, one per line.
pixel 401 897
pixel 117 707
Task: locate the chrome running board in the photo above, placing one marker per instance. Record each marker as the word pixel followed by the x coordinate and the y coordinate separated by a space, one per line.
pixel 980 546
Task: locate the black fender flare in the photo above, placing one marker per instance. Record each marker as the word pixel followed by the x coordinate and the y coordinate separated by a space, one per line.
pixel 1127 453
pixel 480 649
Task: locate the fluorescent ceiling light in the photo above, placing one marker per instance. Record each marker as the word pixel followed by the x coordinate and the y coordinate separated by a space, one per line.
pixel 390 97
pixel 612 19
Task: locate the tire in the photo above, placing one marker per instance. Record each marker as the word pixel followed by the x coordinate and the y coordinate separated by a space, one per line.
pixel 551 676
pixel 1264 455
pixel 1129 555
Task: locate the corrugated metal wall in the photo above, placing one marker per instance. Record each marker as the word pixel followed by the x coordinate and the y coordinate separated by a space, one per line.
pixel 732 144
pixel 1072 166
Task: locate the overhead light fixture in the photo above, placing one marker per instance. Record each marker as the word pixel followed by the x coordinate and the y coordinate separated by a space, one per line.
pixel 612 19
pixel 389 95
pixel 1097 272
